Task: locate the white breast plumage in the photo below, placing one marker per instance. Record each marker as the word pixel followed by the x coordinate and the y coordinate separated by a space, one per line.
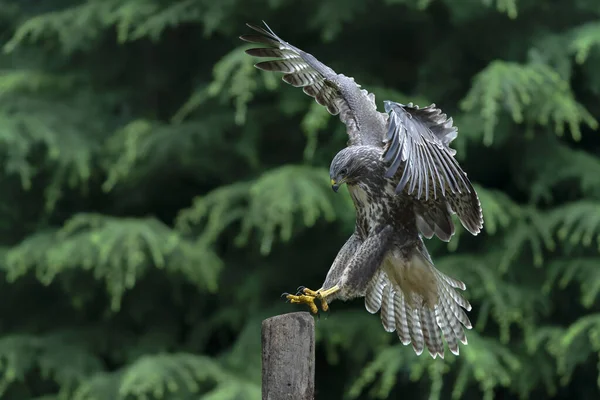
pixel 359 194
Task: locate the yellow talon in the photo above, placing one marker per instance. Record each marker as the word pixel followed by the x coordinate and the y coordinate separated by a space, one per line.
pixel 308 300
pixel 310 296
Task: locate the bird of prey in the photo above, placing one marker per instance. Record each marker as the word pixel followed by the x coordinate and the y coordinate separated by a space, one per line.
pixel 405 184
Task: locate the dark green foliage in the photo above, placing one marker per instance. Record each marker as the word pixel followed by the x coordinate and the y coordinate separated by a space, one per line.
pixel 159 193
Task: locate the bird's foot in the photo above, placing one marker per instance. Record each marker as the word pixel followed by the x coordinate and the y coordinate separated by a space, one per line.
pixel 303 299
pixel 308 296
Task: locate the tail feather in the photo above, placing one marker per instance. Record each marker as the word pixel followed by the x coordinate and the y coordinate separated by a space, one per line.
pixel 388 319
pixel 416 331
pixel 401 312
pixel 374 295
pixel 442 314
pixel 452 282
pixel 454 320
pixel 458 299
pixel 415 320
pixel 453 300
pixel 432 333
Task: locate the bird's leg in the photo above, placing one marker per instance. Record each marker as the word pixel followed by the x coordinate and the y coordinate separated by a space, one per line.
pixel 308 296
pixel 322 294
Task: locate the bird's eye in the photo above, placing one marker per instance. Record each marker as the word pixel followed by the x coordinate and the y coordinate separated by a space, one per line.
pixel 344 171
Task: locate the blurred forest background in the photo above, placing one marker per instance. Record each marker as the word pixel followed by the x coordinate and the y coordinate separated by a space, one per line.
pixel 158 194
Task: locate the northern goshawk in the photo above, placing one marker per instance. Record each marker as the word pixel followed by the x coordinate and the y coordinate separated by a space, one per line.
pixel 405 183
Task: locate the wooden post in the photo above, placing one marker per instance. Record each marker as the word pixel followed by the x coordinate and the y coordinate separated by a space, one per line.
pixel 288 357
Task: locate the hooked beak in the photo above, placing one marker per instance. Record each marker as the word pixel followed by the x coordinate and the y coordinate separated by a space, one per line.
pixel 334 185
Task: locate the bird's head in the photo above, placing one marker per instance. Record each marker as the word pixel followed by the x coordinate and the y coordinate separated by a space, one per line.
pixel 346 167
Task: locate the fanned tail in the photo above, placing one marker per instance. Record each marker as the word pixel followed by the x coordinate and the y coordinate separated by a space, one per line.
pixel 410 312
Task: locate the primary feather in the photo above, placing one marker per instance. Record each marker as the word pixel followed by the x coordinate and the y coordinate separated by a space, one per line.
pixel 338 93
pixel 417 140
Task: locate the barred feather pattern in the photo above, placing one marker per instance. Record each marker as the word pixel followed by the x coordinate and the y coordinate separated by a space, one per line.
pixel 300 68
pixel 467 207
pixel 420 145
pixel 338 93
pixel 419 158
pixel 434 217
pixel 414 322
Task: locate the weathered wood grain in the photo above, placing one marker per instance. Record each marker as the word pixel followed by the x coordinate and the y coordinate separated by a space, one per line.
pixel 288 357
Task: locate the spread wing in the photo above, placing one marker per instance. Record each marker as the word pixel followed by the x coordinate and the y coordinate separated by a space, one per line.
pixel 331 90
pixel 418 141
